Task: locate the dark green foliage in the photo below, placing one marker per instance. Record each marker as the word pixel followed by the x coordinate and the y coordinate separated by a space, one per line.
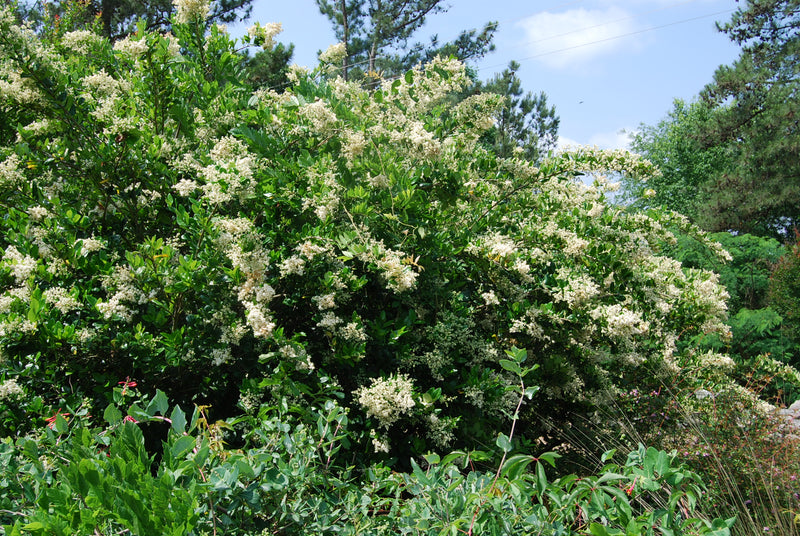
pixel 685 166
pixel 784 293
pixel 267 68
pixel 746 276
pixel 526 123
pixel 756 119
pixel 84 477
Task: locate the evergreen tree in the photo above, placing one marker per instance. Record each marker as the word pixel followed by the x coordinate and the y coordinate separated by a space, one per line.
pixel 526 122
pixel 377 35
pixel 268 68
pixel 755 117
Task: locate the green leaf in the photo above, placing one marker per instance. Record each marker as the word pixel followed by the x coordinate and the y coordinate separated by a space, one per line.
pixel 609 477
pixel 112 415
pixel 61 425
pixel 158 404
pixel 420 474
pixel 178 418
pixel 550 457
pixel 601 530
pixel 182 446
pixel 409 77
pixel 516 465
pixel 511 366
pixel 504 442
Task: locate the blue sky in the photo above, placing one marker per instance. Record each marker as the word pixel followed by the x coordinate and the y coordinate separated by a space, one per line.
pixel 606 65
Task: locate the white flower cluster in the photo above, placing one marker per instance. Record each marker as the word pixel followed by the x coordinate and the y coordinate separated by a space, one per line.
pixel 353 145
pixel 81 41
pixel 220 355
pixel 125 293
pixel 191 10
pixel 496 246
pixel 334 54
pixel 298 354
pixel 37 213
pixel 90 245
pixel 102 85
pixel 185 187
pixel 320 116
pixel 133 48
pixel 264 36
pixel 387 398
pixel 579 289
pixel 619 321
pixel 10 390
pixel 22 266
pixel 325 301
pixel 231 175
pixel 15 88
pixel 10 173
pixel 61 299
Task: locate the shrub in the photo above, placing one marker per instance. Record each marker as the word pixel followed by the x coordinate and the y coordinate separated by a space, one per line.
pixel 169 225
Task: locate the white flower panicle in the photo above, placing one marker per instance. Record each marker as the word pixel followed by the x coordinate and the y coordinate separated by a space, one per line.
pixel 387 399
pixel 22 266
pixel 334 54
pixel 191 10
pixel 264 36
pixel 61 299
pixel 10 390
pixel 10 173
pixel 81 41
pixel 90 245
pixel 619 321
pixel 320 116
pixel 131 47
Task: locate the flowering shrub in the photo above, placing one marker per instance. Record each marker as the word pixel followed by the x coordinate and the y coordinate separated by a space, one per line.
pixel 168 224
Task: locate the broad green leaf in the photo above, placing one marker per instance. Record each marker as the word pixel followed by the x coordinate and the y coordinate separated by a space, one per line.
pixel 178 418
pixel 504 443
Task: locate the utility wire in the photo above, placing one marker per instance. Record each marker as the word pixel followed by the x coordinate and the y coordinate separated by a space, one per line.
pixel 614 37
pixel 566 49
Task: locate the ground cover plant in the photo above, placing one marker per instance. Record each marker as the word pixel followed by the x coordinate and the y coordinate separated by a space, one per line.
pixel 337 280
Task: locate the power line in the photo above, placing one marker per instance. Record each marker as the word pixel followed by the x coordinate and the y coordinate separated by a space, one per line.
pixel 612 38
pixel 663 8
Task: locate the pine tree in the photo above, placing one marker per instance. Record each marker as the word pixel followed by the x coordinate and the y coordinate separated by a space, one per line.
pixel 755 117
pixel 377 34
pixel 526 122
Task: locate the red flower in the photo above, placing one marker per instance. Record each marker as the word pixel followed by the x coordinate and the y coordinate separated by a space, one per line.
pixel 126 384
pixel 128 418
pixel 51 421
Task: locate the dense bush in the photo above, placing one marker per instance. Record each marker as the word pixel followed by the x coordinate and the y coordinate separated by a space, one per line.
pixel 331 278
pixel 167 224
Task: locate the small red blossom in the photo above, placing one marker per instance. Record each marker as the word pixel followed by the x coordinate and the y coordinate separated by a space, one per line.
pixel 126 384
pixel 128 418
pixel 629 489
pixel 51 421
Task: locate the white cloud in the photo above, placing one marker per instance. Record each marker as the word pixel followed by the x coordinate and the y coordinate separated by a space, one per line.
pixel 562 40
